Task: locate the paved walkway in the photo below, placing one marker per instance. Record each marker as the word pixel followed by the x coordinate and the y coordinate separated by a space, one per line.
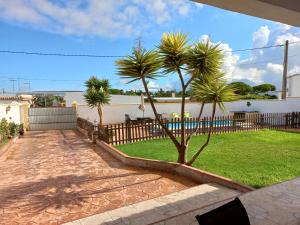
pixel 56 177
pixel 278 204
pixel 275 205
pixel 177 208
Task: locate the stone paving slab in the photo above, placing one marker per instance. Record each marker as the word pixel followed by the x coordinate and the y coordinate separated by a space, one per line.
pixel 275 205
pixel 55 177
pixel 176 208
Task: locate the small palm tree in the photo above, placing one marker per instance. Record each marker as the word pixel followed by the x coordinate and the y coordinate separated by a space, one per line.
pixel 200 62
pixel 216 91
pixel 97 94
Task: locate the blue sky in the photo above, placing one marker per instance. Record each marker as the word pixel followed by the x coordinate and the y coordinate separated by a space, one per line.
pixel 112 28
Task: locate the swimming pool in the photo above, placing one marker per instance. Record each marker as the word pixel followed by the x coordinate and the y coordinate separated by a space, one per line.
pixel 191 125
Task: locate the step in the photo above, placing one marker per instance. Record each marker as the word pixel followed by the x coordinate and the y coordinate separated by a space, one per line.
pixel 164 208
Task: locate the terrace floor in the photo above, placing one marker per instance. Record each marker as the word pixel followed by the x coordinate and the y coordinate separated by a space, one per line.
pixel 274 205
pixel 57 176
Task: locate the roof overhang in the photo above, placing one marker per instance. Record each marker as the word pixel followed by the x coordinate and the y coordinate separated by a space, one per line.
pixel 284 11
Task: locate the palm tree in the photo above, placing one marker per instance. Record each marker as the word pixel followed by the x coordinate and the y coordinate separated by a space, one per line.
pixel 144 65
pixel 216 91
pixel 201 61
pixel 97 94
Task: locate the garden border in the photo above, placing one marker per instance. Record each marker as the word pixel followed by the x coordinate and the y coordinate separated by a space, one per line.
pixel 174 168
pixel 4 149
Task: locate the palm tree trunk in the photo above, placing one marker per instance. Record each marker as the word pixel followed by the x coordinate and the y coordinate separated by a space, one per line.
pixel 195 156
pixel 99 108
pixel 182 122
pixel 197 126
pixel 171 136
pixel 183 148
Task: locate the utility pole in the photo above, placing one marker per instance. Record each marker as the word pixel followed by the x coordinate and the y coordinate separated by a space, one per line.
pixel 18 85
pixel 45 100
pixel 285 70
pixel 28 83
pixel 13 83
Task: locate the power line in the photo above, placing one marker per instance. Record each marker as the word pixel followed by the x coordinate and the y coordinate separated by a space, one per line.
pixel 294 42
pixel 258 48
pixel 18 77
pixel 119 56
pixel 59 54
pixel 38 79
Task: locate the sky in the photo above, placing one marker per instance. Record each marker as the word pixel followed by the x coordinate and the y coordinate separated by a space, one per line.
pixel 113 27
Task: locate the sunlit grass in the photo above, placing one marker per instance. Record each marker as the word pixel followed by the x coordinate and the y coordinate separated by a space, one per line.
pixel 257 158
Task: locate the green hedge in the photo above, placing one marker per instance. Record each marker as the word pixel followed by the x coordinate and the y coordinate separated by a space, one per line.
pixel 9 130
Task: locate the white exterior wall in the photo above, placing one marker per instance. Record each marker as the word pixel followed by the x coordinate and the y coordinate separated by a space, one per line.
pixel 115 113
pixel 294 86
pixel 14 114
pixel 115 99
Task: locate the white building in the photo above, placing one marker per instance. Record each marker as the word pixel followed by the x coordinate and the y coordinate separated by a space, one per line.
pixel 294 86
pixel 14 109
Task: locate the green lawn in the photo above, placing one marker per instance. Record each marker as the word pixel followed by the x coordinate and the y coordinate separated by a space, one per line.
pixel 258 158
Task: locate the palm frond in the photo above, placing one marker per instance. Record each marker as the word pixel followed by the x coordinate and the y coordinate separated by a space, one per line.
pixel 97 92
pixel 204 60
pixel 217 91
pixel 173 48
pixel 94 82
pixel 95 97
pixel 141 64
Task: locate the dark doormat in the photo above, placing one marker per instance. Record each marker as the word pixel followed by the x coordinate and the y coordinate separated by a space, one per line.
pixel 232 213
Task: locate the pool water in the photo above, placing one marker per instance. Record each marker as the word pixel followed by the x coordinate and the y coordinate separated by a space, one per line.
pixel 190 125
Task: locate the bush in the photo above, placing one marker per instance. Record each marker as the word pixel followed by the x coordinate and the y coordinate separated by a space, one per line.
pixel 4 132
pixel 9 130
pixel 14 129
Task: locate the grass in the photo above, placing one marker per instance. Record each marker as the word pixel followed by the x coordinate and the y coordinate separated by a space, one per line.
pixel 258 159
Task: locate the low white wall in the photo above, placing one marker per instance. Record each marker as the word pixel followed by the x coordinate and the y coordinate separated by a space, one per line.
pixel 115 113
pixel 78 97
pixel 13 114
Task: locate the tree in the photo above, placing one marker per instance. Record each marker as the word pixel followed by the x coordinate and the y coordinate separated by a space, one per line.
pixel 114 91
pixel 241 88
pixel 97 94
pixel 46 100
pixel 201 61
pixel 216 92
pixel 263 88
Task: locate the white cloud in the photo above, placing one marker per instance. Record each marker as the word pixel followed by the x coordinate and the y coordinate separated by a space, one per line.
pixel 93 17
pixel 261 37
pixel 286 36
pixel 295 70
pixel 275 68
pixel 169 87
pixel 253 74
pixel 153 86
pixel 230 61
pixel 283 27
pixel 265 66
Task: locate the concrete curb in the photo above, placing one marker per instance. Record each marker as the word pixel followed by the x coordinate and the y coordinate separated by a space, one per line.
pixel 84 132
pixel 7 146
pixel 192 173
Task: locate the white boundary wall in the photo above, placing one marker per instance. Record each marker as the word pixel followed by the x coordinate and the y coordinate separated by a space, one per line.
pixel 115 113
pixel 11 112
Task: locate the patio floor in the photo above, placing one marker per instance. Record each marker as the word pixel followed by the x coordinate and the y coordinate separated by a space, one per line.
pixel 57 176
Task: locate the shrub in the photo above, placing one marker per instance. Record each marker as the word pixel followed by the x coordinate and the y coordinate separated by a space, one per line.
pixel 13 129
pixel 4 132
pixel 9 130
